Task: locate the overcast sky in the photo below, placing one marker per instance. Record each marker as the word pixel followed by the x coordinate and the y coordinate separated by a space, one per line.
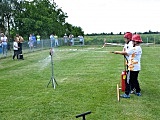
pixel 98 16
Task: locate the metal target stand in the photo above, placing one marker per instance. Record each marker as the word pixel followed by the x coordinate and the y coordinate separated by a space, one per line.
pixel 83 115
pixel 53 80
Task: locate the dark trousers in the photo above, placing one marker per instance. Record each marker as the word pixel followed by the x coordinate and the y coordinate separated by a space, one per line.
pixel 16 53
pixel 133 81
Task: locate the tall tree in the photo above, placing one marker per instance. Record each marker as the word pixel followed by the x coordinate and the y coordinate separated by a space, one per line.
pixel 6 15
pixel 36 16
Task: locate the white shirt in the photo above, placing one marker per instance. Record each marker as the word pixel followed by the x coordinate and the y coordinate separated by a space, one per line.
pixel 81 38
pixel 4 40
pixel 127 47
pixel 52 37
pixel 134 60
pixel 15 46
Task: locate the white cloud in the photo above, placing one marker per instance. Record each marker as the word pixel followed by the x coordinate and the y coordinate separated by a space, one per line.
pixel 112 15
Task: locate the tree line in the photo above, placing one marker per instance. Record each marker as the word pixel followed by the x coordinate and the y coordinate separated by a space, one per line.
pixel 42 17
pixel 121 33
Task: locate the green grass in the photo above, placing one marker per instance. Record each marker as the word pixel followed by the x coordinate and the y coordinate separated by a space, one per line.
pixel 86 77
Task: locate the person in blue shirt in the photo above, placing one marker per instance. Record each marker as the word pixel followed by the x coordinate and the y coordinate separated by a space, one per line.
pixel 52 40
pixel 4 42
pixel 34 40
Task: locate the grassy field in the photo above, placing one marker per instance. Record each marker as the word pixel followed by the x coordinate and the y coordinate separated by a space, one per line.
pixel 86 77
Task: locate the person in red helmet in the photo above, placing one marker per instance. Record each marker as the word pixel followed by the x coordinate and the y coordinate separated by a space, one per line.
pixel 134 65
pixel 128 43
pixel 127 46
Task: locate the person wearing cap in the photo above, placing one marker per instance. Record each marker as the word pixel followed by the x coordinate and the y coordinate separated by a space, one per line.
pixel 128 43
pixel 127 46
pixel 134 65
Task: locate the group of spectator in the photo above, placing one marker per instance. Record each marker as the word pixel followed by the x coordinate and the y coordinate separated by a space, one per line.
pixel 68 40
pixel 54 40
pixel 17 45
pixel 33 41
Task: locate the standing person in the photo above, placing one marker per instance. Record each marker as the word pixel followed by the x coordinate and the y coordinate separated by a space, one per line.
pixel 56 40
pixel 38 39
pixel 52 40
pixel 15 48
pixel 134 65
pixel 65 37
pixel 30 42
pixel 34 40
pixel 81 40
pixel 71 40
pixel 20 41
pixel 128 45
pixel 4 44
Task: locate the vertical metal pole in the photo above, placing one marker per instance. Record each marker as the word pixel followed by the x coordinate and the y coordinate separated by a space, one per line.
pixel 53 80
pixel 42 44
pixel 84 118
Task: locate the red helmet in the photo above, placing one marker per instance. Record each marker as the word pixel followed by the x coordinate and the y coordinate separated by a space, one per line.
pixel 128 35
pixel 137 38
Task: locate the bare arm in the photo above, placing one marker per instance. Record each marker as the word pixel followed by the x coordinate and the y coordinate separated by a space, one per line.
pixel 120 52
